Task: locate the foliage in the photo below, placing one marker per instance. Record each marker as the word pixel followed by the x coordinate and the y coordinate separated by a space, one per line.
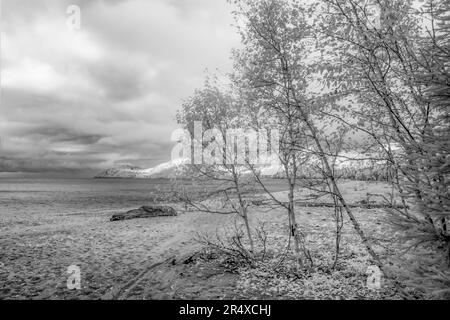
pixel 325 71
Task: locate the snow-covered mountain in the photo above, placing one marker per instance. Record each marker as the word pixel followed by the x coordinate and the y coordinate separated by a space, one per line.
pixel 168 169
pixel 178 167
pixel 120 171
pixel 349 163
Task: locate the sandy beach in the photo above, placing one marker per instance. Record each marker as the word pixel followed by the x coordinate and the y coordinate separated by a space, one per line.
pixel 38 249
pixel 108 253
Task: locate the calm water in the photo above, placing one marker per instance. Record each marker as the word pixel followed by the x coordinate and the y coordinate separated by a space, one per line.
pixel 77 195
pixel 88 195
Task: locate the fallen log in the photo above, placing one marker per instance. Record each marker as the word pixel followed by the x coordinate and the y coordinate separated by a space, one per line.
pixel 145 212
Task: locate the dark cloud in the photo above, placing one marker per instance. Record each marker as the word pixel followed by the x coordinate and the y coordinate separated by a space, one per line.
pixel 108 93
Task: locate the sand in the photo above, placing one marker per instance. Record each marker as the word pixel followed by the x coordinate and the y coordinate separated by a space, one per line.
pixel 35 256
pixel 37 249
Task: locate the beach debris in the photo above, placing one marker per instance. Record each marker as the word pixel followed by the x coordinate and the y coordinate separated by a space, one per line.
pixel 145 212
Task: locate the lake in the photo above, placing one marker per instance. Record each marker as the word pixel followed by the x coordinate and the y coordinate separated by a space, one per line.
pixel 23 195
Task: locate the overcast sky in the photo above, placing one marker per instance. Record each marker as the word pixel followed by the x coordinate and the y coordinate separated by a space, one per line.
pixel 83 100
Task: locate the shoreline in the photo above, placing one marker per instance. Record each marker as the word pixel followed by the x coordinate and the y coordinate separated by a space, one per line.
pixel 111 254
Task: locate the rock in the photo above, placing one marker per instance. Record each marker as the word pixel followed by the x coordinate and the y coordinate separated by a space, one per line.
pixel 145 212
pixel 257 202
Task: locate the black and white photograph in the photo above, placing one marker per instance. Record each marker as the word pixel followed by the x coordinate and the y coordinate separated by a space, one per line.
pixel 241 151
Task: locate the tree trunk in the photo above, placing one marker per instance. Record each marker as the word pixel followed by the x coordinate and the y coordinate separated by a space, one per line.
pixel 244 212
pixel 293 226
pixel 338 194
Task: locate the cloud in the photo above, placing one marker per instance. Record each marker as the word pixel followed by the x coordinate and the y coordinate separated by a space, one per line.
pixel 107 93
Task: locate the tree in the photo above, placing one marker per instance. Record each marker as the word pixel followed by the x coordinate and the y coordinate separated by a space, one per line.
pixel 217 113
pixel 392 60
pixel 273 63
pixel 263 76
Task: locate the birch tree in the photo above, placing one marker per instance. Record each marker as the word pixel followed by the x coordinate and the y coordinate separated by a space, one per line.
pixel 391 60
pixel 217 112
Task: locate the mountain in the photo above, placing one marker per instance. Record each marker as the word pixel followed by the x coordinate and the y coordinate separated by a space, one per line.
pixel 165 170
pixel 351 164
pixel 120 171
pixel 178 167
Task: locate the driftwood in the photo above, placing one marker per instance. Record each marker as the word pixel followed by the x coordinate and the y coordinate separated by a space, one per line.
pixel 145 212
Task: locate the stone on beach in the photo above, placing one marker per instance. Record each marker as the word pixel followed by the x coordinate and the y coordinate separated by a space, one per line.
pixel 145 212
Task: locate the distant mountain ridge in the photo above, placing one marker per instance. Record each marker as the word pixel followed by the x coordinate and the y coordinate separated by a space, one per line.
pixel 346 164
pixel 168 169
pixel 176 168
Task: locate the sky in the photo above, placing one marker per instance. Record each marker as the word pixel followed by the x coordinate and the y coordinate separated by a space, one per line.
pixel 75 101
